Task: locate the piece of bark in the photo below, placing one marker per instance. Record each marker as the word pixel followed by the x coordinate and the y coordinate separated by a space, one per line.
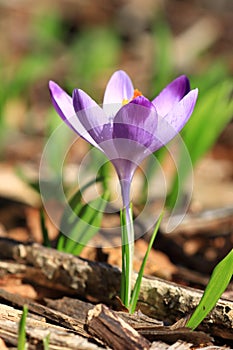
pixel 158 298
pixel 72 307
pixel 57 317
pixel 181 345
pixel 170 334
pixel 37 329
pixel 158 345
pixel 106 325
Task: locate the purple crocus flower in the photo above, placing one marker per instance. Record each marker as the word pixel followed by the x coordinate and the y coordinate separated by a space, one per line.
pixel 128 127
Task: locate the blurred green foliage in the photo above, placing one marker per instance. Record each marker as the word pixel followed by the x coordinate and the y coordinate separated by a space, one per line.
pixel 93 51
pixel 80 58
pixel 212 113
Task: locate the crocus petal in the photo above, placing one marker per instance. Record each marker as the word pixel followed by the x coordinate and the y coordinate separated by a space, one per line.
pixel 173 122
pixel 63 104
pixel 171 95
pixel 62 101
pixel 130 151
pixel 133 129
pixel 119 88
pixel 136 120
pixel 180 114
pixel 90 115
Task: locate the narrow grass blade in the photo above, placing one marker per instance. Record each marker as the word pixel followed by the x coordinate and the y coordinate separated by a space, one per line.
pixel 104 174
pixel 218 282
pixel 70 218
pixel 22 330
pixel 75 203
pixel 46 240
pixel 61 242
pixel 90 223
pixel 46 342
pixel 137 285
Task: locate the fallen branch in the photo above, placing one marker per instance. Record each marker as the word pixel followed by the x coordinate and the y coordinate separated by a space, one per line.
pixel 101 282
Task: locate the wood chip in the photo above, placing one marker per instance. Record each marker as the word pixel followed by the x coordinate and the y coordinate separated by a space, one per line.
pixel 106 325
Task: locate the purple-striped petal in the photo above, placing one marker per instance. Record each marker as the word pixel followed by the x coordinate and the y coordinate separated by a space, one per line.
pixel 133 129
pixel 90 115
pixel 171 95
pixel 63 104
pixel 181 113
pixel 62 101
pixel 119 88
pixel 135 119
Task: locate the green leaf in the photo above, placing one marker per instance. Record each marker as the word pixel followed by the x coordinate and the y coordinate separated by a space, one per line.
pixel 218 282
pixel 75 211
pixel 22 330
pixel 103 173
pixel 89 224
pixel 81 221
pixel 75 203
pixel 137 286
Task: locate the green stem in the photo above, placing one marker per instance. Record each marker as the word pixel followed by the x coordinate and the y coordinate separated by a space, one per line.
pixel 127 244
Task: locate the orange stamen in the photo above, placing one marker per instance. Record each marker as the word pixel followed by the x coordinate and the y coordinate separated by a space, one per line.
pixel 136 94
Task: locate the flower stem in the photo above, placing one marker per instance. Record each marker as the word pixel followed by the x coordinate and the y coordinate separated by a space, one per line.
pixel 127 232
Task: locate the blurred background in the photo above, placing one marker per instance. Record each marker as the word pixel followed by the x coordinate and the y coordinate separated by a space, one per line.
pixel 80 44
